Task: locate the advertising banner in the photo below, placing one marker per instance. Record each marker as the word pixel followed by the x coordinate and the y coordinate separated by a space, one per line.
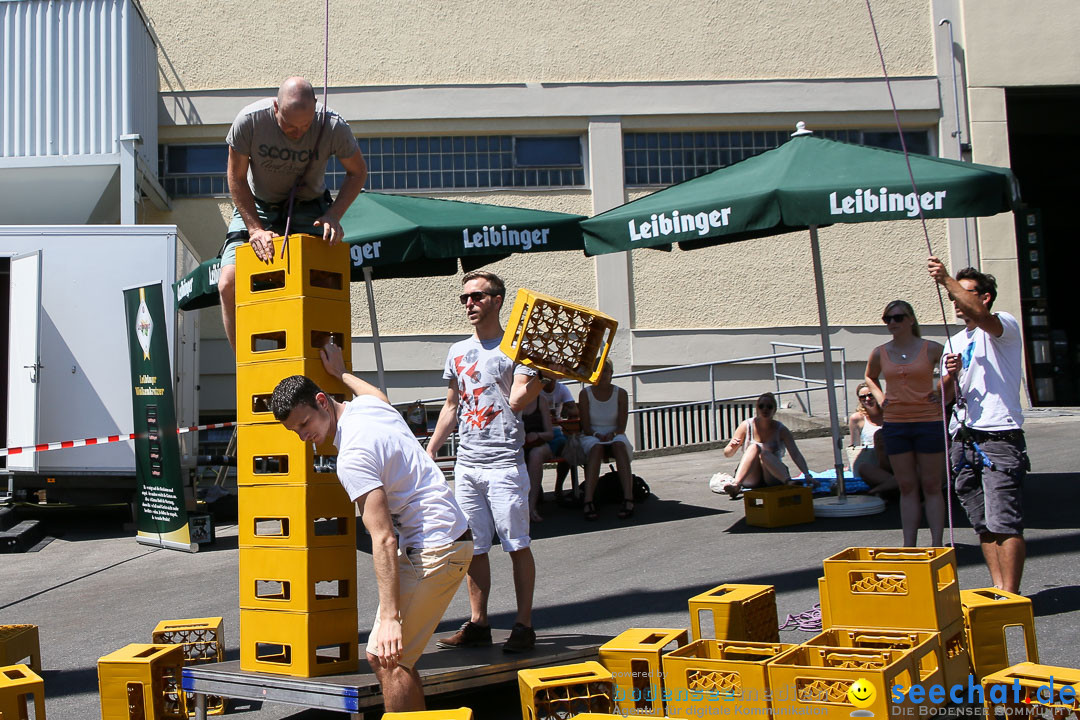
pixel 162 517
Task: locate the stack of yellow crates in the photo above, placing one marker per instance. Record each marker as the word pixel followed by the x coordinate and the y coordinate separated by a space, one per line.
pixel 901 603
pixel 297 525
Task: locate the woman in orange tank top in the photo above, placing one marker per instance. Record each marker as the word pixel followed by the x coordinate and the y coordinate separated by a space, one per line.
pixel 912 430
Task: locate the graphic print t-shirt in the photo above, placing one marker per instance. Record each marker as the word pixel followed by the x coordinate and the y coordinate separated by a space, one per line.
pixel 491 435
pixel 277 160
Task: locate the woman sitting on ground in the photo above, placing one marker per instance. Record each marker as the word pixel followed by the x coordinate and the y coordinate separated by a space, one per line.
pixel 538 433
pixel 913 431
pixel 870 463
pixel 763 440
pixel 604 409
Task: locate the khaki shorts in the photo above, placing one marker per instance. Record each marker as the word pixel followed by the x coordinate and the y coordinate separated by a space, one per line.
pixel 427 581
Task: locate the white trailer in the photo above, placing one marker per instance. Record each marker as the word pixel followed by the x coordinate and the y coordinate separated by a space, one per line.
pixel 67 374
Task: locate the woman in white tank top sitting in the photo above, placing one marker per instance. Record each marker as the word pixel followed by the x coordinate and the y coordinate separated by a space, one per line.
pixel 868 458
pixel 604 409
pixel 763 440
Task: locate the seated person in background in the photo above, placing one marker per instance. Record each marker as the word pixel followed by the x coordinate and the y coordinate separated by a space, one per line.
pixel 561 402
pixel 538 436
pixel 604 411
pixel 869 459
pixel 763 440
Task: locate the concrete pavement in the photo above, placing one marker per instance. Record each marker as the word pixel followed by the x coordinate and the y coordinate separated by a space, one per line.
pixel 93 590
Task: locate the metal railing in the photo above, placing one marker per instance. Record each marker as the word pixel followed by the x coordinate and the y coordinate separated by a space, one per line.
pixel 716 418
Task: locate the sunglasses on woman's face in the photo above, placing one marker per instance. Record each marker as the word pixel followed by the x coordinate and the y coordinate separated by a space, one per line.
pixel 766 407
pixel 895 317
pixel 866 398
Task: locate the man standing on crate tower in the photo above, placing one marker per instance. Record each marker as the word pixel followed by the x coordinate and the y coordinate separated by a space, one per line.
pixel 988 453
pixel 278 150
pixel 485 396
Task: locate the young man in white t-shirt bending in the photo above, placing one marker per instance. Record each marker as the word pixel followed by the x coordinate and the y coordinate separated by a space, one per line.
pixel 485 396
pixel 988 450
pixel 398 487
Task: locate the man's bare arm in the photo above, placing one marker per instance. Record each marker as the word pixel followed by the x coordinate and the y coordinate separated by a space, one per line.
pixel 376 517
pixel 261 239
pixel 447 420
pixel 524 391
pixel 334 364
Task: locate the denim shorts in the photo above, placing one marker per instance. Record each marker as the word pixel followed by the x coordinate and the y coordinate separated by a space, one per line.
pixel 273 216
pixel 992 496
pixel 920 437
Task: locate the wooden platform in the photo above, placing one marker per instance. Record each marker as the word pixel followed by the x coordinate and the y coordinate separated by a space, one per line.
pixel 442 671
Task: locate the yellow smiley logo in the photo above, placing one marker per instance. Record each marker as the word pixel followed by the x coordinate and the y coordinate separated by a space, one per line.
pixel 861 694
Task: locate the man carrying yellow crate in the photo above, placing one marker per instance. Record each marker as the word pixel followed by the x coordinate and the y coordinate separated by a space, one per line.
pixel 486 394
pixel 395 486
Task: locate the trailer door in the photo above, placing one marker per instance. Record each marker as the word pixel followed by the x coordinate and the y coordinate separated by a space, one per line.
pixel 24 358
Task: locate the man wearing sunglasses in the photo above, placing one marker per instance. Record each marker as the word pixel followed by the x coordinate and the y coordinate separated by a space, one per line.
pixel 988 447
pixel 485 396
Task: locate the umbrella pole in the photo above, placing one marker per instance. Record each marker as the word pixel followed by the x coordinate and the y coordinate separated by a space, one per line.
pixel 826 348
pixel 374 329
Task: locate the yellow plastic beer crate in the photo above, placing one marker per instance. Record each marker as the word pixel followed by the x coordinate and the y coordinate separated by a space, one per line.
pixel 296 516
pixel 955 654
pixel 298 579
pixel 463 713
pixel 902 588
pixel 1030 690
pixel 739 612
pixel 203 641
pixel 19 643
pixel 292 329
pixel 268 454
pixel 255 385
pixel 815 680
pixel 21 689
pixel 142 680
pixel 823 595
pixel 988 613
pixel 310 268
pixel 558 336
pixel 778 506
pixel 634 659
pixel 924 646
pixel 706 673
pixel 299 644
pixel 565 691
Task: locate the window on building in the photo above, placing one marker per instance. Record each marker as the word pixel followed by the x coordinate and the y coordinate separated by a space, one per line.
pixel 475 162
pixel 666 158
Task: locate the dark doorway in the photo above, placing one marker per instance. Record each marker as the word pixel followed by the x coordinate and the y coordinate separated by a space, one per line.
pixel 1044 145
pixel 5 311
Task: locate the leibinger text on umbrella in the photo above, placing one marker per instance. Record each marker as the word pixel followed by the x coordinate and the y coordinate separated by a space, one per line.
pixel 660 225
pixel 866 201
pixel 364 251
pixel 501 237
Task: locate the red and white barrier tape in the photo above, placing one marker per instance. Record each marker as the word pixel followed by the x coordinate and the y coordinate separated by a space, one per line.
pixel 26 449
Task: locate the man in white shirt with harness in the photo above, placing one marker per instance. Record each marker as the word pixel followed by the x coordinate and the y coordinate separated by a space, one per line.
pixel 988 452
pixel 396 486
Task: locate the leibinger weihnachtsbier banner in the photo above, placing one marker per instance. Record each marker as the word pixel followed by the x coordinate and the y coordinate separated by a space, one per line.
pixel 162 517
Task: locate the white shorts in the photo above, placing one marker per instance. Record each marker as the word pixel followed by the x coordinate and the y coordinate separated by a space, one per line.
pixel 495 500
pixel 588 442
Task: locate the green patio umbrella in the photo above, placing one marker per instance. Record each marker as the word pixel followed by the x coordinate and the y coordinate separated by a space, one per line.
pixel 806 183
pixel 407 236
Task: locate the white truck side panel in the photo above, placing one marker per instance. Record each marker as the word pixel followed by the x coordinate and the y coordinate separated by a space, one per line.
pixel 85 381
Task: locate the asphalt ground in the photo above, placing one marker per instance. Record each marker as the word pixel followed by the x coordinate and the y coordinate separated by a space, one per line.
pixel 93 589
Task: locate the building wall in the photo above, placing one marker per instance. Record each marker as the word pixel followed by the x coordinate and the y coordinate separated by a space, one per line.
pixel 392 42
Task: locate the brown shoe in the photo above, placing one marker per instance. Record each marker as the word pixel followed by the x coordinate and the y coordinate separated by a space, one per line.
pixel 522 639
pixel 470 635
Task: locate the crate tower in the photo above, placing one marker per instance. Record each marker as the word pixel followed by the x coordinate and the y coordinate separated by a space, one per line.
pixel 297 525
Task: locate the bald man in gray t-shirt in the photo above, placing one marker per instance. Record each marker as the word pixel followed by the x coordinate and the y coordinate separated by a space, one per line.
pixel 272 143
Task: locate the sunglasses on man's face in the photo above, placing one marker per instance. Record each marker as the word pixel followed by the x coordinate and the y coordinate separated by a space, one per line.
pixel 476 296
pixel 895 317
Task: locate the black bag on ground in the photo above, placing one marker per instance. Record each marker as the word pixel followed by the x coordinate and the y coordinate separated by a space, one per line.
pixel 609 489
